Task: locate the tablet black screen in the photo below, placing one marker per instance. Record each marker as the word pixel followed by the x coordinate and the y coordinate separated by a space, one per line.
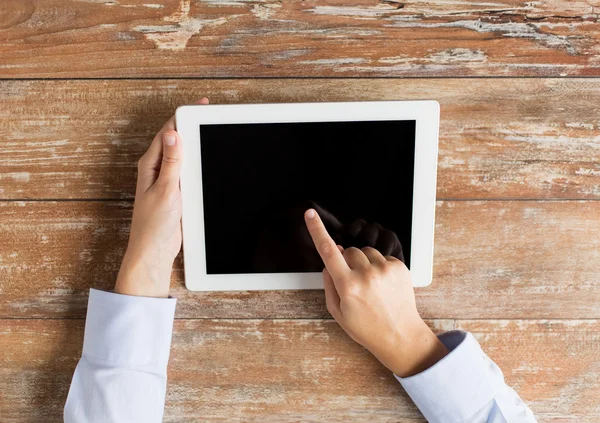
pixel 258 179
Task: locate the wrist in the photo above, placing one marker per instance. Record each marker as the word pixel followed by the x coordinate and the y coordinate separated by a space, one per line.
pixel 418 350
pixel 139 277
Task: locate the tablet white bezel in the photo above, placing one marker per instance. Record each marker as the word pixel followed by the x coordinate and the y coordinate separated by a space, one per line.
pixel 190 118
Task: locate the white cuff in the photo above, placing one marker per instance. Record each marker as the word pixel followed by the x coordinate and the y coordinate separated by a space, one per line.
pixel 123 329
pixel 457 386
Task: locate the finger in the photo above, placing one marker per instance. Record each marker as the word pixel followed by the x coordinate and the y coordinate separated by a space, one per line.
pixel 355 258
pixel 332 298
pixel 355 227
pixel 368 235
pixel 328 219
pixel 326 247
pixel 374 256
pixel 398 253
pixel 149 164
pixel 386 241
pixel 340 248
pixel 391 259
pixel 170 166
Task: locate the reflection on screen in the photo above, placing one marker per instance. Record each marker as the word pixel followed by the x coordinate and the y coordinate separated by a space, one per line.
pixel 258 179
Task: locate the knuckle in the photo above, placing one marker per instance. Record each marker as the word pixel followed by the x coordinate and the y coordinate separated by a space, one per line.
pixel 353 290
pixel 388 265
pixel 325 248
pixel 395 266
pixel 370 275
pixel 171 159
pixel 388 268
pixel 141 163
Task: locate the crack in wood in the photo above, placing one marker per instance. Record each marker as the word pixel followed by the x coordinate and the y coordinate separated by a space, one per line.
pixel 394 3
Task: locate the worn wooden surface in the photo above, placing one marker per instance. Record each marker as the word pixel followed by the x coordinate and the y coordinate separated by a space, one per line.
pixel 500 138
pixel 493 259
pixel 219 38
pixel 303 370
pixel 84 84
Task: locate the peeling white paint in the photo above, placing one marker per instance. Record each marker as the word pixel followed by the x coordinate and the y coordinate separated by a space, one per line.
pixel 403 58
pixel 361 12
pixel 56 143
pixel 404 67
pixel 16 176
pixel 333 62
pixel 448 162
pixel 531 213
pixel 229 3
pixel 265 11
pixel 288 54
pixel 333 32
pixel 124 36
pixel 591 172
pixel 443 57
pixel 176 36
pixel 552 139
pixel 580 125
pixel 508 29
pixel 457 55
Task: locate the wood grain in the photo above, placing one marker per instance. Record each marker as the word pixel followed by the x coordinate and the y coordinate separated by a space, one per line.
pixel 493 259
pixel 300 371
pixel 500 138
pixel 254 356
pixel 216 38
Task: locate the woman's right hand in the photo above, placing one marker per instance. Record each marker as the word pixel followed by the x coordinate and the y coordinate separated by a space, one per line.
pixel 371 297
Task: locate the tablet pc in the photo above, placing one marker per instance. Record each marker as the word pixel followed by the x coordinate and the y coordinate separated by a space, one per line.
pixel 250 172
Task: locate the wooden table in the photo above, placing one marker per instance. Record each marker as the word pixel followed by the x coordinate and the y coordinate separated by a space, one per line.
pixel 86 83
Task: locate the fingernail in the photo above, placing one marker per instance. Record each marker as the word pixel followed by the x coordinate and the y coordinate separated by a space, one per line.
pixel 170 139
pixel 310 214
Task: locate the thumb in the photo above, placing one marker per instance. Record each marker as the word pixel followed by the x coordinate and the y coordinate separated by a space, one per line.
pixel 170 166
pixel 332 298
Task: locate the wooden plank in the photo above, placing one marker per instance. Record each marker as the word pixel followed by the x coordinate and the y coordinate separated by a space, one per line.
pixel 500 138
pixel 225 38
pixel 302 370
pixel 544 361
pixel 521 259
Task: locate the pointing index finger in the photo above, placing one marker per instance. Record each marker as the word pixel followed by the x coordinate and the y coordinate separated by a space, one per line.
pixel 326 246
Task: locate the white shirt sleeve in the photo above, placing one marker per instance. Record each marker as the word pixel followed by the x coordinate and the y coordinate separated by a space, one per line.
pixel 122 373
pixel 465 387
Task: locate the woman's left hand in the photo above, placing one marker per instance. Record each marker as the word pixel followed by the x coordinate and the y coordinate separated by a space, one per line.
pixel 155 237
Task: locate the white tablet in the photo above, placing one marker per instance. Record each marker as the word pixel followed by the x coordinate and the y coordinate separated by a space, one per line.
pixel 250 172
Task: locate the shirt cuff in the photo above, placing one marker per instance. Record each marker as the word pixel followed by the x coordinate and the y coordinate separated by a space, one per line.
pixel 129 330
pixel 457 386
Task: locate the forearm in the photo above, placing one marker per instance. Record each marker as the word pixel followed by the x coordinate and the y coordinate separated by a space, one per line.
pixel 465 386
pixel 121 376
